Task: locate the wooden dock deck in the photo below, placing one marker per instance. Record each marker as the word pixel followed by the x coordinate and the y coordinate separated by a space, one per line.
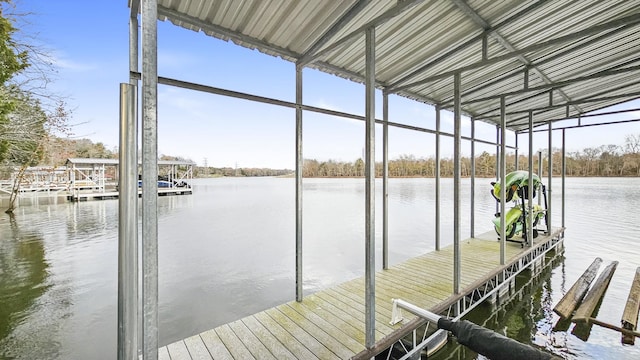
pixel 330 324
pixel 106 195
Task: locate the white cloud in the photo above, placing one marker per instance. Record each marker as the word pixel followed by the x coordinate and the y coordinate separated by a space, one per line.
pixel 64 63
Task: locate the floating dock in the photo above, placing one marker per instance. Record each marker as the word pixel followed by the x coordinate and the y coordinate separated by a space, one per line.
pixel 90 195
pixel 330 324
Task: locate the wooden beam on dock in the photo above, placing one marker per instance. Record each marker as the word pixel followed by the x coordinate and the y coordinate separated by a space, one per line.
pixel 594 296
pixel 630 314
pixel 574 296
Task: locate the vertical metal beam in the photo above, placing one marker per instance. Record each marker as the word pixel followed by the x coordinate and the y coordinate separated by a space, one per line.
pixel 564 173
pixel 128 226
pixel 516 151
pixel 133 48
pixel 370 175
pixel 299 167
pixel 385 180
pixel 550 173
pixel 457 136
pixel 530 190
pixel 540 175
pixel 437 171
pixel 497 160
pixel 473 177
pixel 150 178
pixel 502 168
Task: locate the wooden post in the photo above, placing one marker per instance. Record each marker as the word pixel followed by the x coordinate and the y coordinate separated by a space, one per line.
pixel 595 294
pixel 574 296
pixel 630 315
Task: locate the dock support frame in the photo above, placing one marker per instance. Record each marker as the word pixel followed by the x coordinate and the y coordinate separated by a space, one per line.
pixel 370 177
pixel 466 301
pixel 150 179
pixel 502 170
pixel 385 180
pixel 457 115
pixel 128 226
pixel 437 171
pixel 298 171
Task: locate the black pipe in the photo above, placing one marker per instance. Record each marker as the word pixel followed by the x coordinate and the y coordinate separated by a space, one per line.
pixel 489 343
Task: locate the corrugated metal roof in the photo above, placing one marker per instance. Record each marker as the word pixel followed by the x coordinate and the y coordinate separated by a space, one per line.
pixel 419 44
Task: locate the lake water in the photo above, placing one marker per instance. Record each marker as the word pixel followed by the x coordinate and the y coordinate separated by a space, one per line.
pixel 229 251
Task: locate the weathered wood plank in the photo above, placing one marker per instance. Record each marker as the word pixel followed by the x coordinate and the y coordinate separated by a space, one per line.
pixel 300 350
pixel 576 293
pixel 342 335
pixel 340 319
pixel 250 341
pixel 337 348
pixel 197 348
pixel 595 294
pixel 630 315
pixel 356 310
pixel 233 344
pixel 268 339
pixel 163 353
pixel 310 342
pixel 178 351
pixel 215 346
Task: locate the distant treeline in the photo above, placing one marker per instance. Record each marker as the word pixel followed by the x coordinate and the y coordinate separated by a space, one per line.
pixel 200 171
pixel 606 160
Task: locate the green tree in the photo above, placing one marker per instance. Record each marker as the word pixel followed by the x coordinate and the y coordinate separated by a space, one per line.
pixel 28 112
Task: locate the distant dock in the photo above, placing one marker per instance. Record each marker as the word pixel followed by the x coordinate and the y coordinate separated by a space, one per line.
pixel 330 323
pixel 83 179
pixel 107 195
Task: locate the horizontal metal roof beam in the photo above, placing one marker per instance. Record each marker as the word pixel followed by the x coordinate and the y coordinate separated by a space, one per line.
pixel 586 125
pixel 513 73
pixel 355 9
pixel 558 84
pixel 393 87
pixel 520 121
pixel 347 39
pixel 265 100
pixel 205 26
pixel 486 114
pixel 272 101
pixel 507 45
pixel 631 19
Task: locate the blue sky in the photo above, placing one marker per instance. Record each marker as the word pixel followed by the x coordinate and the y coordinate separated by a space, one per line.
pixel 89 43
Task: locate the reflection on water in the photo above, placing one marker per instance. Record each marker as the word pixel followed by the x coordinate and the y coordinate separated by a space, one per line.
pixel 23 281
pixel 228 251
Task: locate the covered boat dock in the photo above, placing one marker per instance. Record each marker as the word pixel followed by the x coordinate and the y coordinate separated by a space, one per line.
pixel 521 66
pixel 90 178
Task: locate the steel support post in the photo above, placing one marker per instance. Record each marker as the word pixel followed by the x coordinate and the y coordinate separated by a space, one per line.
pixel 530 188
pixel 385 180
pixel 456 182
pixel 516 151
pixel 437 173
pixel 498 159
pixel 150 178
pixel 502 169
pixel 540 175
pixel 370 175
pixel 299 167
pixel 550 174
pixel 473 178
pixel 128 226
pixel 133 48
pixel 564 174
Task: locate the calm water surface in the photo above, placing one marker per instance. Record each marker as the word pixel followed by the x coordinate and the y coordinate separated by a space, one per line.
pixel 228 251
